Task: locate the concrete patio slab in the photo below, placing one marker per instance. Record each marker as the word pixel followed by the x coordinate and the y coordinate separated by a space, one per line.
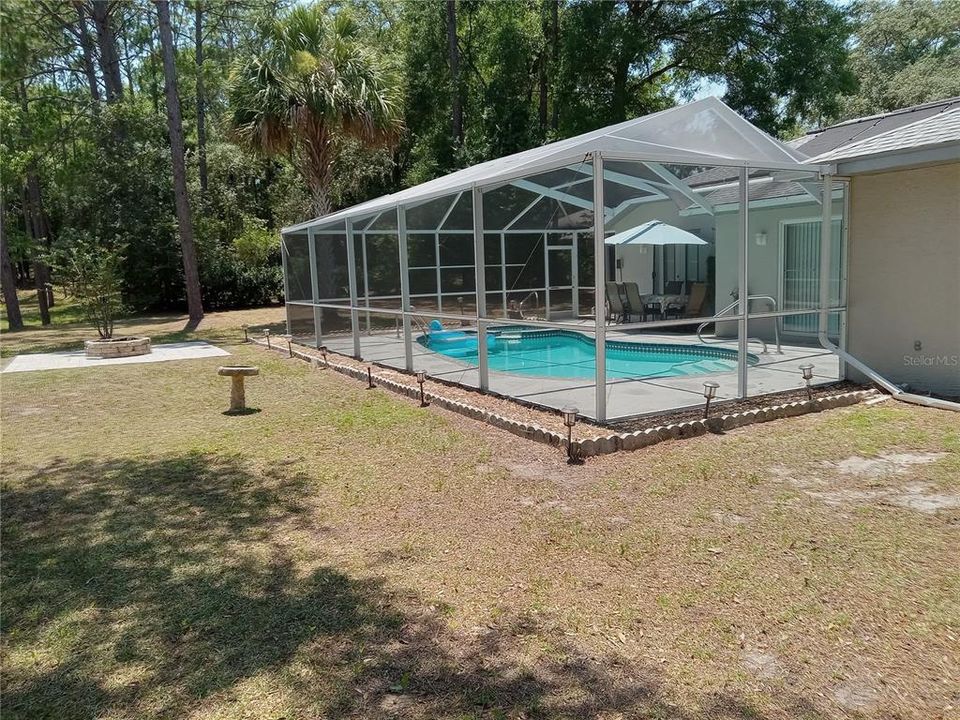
pixel 78 359
pixel 626 397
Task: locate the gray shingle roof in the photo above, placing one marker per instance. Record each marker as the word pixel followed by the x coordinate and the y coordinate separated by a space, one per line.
pixel 759 191
pixel 831 138
pixel 912 127
pixel 926 132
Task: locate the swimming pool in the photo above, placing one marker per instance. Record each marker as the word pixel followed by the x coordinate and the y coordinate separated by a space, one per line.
pixel 569 354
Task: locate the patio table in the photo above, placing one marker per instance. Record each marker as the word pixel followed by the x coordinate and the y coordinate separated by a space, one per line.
pixel 665 301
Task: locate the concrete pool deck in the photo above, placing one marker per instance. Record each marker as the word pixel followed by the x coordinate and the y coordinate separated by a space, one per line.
pixel 626 397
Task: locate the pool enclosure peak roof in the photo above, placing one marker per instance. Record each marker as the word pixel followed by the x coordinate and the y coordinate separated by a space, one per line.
pixel 705 133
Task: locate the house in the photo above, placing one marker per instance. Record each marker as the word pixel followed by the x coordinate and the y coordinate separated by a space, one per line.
pixel 903 240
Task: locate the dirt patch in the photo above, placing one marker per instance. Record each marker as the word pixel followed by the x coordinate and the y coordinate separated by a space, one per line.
pixel 888 464
pixel 730 519
pixel 854 695
pixel 27 411
pixel 762 665
pixel 920 496
pixel 833 483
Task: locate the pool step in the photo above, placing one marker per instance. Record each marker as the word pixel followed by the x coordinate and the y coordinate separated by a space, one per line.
pixel 703 366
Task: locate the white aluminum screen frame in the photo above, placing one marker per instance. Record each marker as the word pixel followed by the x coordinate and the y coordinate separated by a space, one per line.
pixel 700 133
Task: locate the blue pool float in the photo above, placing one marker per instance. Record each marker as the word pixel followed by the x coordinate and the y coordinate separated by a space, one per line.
pixel 453 343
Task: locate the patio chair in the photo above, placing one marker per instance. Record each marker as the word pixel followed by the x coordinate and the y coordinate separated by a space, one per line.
pixel 698 296
pixel 634 299
pixel 615 302
pixel 673 287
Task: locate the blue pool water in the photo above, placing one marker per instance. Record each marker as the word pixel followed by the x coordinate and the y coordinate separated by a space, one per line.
pixel 568 354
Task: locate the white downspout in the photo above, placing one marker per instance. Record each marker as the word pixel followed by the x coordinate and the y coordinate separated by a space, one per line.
pixel 826 226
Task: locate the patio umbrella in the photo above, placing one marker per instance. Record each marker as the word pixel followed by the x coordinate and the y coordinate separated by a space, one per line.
pixel 655 232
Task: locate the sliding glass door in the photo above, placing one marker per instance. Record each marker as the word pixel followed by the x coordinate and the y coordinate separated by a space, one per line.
pixel 800 273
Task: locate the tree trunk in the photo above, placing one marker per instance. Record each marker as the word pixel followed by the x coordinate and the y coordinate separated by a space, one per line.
pixel 8 282
pixel 542 113
pixel 126 65
pixel 107 42
pixel 175 127
pixel 152 68
pixel 35 220
pixel 457 108
pixel 201 111
pixel 555 59
pixel 315 161
pixel 618 106
pixel 41 274
pixel 41 232
pixel 86 45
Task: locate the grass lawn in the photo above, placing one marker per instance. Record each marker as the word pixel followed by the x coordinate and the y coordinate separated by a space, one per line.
pixel 344 553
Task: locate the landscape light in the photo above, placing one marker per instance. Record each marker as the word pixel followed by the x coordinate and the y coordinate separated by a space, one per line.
pixel 246 338
pixel 807 371
pixel 421 378
pixel 370 385
pixel 288 338
pixel 569 414
pixel 266 333
pixel 709 392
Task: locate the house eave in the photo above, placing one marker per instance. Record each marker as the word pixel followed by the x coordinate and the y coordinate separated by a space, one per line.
pixel 901 159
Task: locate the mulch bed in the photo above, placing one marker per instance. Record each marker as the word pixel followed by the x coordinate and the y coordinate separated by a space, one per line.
pixel 734 406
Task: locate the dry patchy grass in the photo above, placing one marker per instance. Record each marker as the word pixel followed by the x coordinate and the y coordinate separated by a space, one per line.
pixel 343 553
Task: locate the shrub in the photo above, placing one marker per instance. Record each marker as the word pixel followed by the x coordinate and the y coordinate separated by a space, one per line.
pixel 230 278
pixel 92 272
pixel 256 245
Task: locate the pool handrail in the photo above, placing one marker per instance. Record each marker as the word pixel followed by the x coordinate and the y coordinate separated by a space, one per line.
pixel 536 302
pixel 763 343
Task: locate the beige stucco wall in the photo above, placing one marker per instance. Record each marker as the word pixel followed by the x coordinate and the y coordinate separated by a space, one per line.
pixel 904 276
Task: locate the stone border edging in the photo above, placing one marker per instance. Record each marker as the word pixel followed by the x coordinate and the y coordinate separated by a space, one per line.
pixel 117 348
pixel 603 444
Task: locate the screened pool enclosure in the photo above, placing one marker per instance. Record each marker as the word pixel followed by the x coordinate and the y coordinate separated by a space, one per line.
pixel 702 262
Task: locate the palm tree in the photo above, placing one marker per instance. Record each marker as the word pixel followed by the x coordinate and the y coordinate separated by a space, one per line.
pixel 314 83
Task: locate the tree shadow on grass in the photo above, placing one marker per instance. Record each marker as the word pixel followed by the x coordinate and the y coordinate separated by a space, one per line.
pixel 174 586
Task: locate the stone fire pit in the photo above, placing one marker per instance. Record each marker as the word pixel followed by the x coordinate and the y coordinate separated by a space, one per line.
pixel 117 347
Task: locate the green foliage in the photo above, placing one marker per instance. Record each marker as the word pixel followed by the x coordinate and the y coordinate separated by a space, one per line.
pixel 227 281
pixel 92 273
pixel 906 53
pixel 788 62
pixel 125 194
pixel 499 43
pixel 783 62
pixel 255 243
pixel 310 108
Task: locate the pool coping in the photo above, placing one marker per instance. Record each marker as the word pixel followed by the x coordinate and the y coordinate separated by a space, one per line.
pixel 600 444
